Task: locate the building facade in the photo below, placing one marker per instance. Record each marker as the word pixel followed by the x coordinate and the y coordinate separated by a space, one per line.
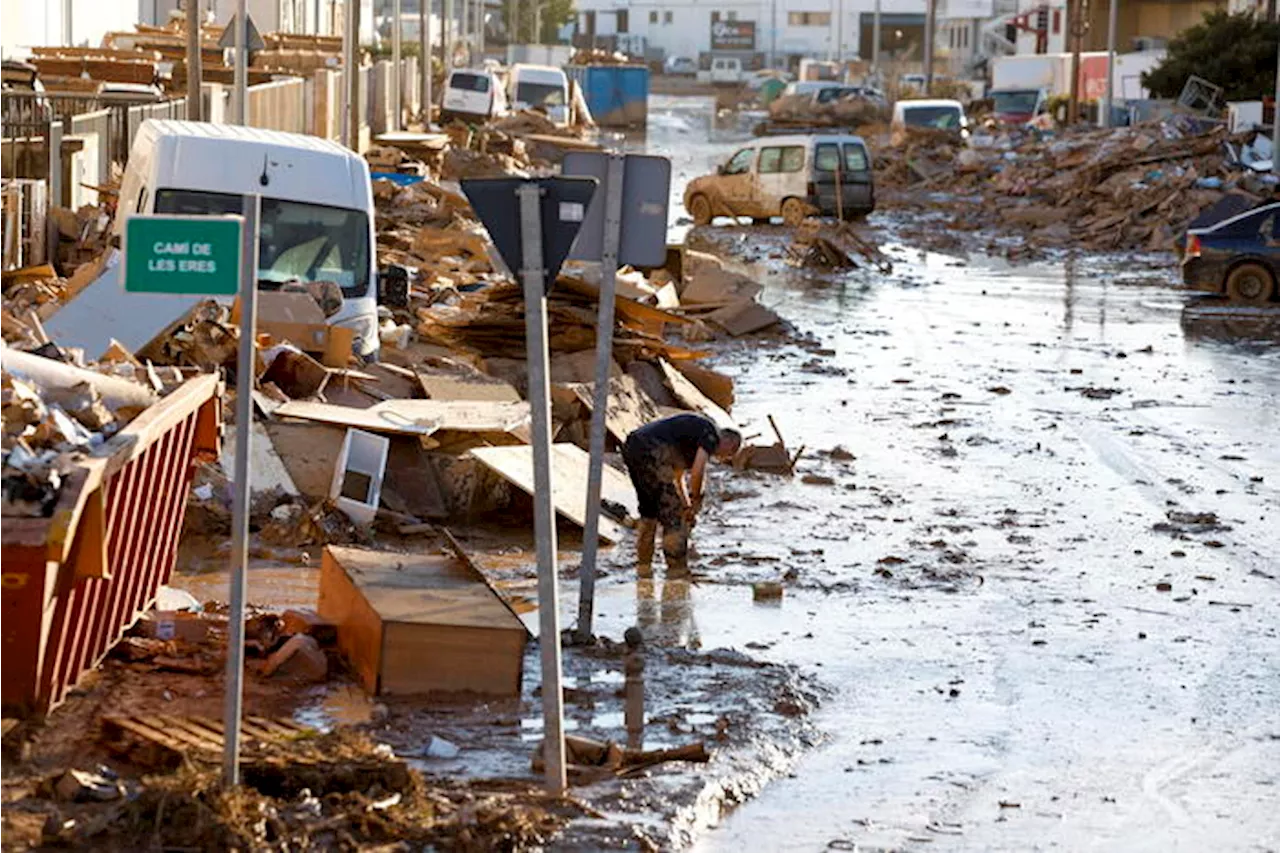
pixel 774 32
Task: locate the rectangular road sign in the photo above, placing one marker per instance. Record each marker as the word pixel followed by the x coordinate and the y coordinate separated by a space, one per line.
pixel 646 187
pixel 189 255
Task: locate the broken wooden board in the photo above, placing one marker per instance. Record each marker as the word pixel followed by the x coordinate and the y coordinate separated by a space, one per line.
pixel 715 385
pixel 569 465
pixel 420 623
pixel 416 417
pixel 629 406
pixel 445 387
pixel 176 738
pixel 691 398
pixel 743 318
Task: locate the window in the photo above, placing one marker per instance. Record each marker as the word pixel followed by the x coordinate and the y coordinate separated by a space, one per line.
pixel 540 94
pixel 740 163
pixel 622 19
pixel 855 157
pixel 469 82
pixel 1057 21
pixel 666 17
pixel 938 118
pixel 809 19
pixel 715 17
pixel 731 15
pixel 653 17
pixel 306 242
pixel 780 159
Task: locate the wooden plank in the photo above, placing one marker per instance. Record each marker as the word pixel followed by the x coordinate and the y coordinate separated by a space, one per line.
pixel 416 417
pixel 629 407
pixel 569 481
pixel 188 739
pixel 180 726
pixel 438 387
pixel 688 395
pixel 140 729
pixel 715 385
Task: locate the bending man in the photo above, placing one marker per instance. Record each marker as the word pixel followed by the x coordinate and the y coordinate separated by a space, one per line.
pixel 659 456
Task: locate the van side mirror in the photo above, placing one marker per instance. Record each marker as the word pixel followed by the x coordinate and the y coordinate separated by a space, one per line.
pixel 720 169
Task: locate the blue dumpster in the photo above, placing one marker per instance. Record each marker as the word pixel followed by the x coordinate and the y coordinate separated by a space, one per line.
pixel 617 95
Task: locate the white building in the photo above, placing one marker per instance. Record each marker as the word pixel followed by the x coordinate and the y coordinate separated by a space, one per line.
pixel 773 31
pixel 32 23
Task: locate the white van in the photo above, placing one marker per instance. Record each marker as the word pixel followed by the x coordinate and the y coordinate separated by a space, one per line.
pixel 317 220
pixel 929 114
pixel 472 95
pixel 539 87
pixel 726 71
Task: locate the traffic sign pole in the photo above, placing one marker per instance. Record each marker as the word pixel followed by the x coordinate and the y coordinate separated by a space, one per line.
pixel 613 184
pixel 240 499
pixel 544 520
pixel 241 74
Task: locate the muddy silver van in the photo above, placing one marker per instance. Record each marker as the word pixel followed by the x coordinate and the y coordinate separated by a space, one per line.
pixel 788 176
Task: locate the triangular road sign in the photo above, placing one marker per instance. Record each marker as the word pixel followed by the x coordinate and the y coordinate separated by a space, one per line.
pixel 253 38
pixel 564 207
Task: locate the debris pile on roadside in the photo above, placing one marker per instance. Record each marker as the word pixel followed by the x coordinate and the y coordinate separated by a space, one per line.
pixel 1129 188
pixel 804 111
pixel 599 56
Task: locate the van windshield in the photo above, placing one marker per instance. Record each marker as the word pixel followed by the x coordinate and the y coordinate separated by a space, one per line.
pixel 1015 101
pixel 941 118
pixel 540 94
pixel 469 82
pixel 298 241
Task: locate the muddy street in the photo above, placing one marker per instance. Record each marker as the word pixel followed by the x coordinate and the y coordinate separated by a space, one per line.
pixel 1044 589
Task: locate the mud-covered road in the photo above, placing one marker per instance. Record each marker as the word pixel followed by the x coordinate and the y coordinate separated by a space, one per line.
pixel 1044 591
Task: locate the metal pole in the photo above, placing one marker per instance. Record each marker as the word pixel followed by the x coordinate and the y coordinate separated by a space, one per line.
pixel 240 498
pixel 481 16
pixel 348 68
pixel 773 33
pixel 514 37
pixel 544 519
pixel 1073 25
pixel 397 112
pixel 930 11
pixel 241 74
pixel 195 105
pixel 1275 122
pixel 1112 8
pixel 537 22
pixel 840 36
pixel 600 398
pixel 446 37
pixel 68 35
pixel 875 39
pixel 424 33
pixel 353 81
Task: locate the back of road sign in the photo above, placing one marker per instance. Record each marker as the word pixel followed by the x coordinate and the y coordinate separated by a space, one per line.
pixel 646 188
pixel 564 207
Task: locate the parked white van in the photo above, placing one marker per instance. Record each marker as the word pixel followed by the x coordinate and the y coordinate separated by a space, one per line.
pixel 539 87
pixel 726 71
pixel 472 95
pixel 317 219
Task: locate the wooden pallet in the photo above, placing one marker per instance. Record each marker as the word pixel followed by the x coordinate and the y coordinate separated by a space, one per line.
pixel 198 737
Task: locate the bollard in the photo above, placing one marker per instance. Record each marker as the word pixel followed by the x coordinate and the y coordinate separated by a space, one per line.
pixel 633 666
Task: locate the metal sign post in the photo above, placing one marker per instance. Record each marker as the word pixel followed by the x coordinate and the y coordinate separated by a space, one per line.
pixel 534 237
pixel 398 79
pixel 600 393
pixel 544 519
pixel 627 223
pixel 240 499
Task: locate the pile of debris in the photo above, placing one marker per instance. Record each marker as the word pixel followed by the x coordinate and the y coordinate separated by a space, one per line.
pixel 804 111
pixel 1130 188
pixel 54 413
pixel 600 56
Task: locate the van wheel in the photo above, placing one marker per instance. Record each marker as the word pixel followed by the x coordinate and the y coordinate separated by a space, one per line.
pixel 700 210
pixel 794 212
pixel 1251 284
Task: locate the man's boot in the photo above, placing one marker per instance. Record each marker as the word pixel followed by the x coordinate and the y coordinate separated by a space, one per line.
pixel 675 547
pixel 646 533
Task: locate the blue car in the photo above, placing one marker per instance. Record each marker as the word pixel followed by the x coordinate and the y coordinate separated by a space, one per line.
pixel 1238 257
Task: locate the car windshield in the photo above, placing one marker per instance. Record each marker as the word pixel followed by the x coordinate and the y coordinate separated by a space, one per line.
pixel 540 94
pixel 1015 102
pixel 941 118
pixel 470 82
pixel 297 241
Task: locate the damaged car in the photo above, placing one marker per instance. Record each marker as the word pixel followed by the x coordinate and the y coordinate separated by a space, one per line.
pixel 792 177
pixel 1238 257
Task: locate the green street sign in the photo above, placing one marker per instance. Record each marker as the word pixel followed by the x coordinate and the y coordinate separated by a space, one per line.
pixel 189 255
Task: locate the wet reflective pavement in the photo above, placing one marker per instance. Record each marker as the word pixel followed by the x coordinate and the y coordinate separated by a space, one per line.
pixel 1045 589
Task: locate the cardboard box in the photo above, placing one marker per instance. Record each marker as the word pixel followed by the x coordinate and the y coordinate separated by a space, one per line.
pixel 296 318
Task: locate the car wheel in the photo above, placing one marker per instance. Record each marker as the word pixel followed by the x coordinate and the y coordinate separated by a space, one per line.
pixel 794 212
pixel 700 209
pixel 1251 284
pixel 760 220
